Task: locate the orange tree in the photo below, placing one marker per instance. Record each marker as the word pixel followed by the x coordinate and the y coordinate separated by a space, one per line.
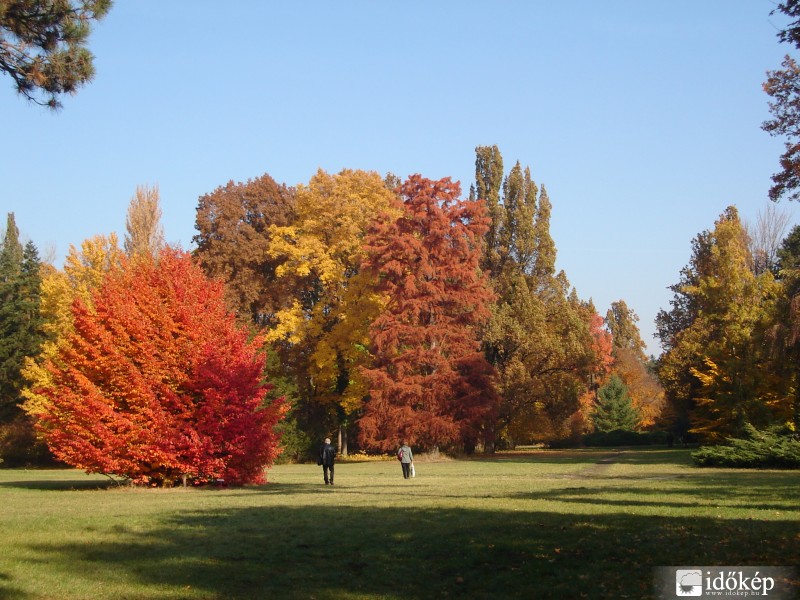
pixel 430 383
pixel 156 382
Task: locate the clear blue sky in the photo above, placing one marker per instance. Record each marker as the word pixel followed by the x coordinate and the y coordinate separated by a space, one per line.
pixel 641 118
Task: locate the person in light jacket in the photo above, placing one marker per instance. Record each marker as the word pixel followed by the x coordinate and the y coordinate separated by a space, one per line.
pixel 327 453
pixel 406 459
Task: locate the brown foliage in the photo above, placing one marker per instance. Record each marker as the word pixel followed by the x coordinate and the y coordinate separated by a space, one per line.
pixel 233 223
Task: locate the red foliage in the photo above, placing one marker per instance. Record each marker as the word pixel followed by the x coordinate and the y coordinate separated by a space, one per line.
pixel 430 384
pixel 158 382
pixel 602 345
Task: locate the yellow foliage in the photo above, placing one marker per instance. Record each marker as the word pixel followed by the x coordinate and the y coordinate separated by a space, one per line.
pixel 83 272
pixel 322 253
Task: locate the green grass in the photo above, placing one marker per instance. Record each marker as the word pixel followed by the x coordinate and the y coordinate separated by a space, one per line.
pixel 549 524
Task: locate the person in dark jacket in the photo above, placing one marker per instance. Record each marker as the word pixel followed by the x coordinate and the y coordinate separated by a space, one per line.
pixel 327 453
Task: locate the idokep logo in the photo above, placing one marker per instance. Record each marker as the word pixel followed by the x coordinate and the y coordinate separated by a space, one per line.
pixel 775 583
pixel 689 582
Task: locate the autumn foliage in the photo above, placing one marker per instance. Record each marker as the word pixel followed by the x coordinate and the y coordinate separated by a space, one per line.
pixel 430 383
pixel 157 382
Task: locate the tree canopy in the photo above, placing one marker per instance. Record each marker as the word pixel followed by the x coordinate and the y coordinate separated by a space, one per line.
pixel 43 46
pixel 156 382
pixel 430 384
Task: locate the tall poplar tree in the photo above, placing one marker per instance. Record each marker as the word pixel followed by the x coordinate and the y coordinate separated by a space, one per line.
pixel 538 337
pixel 430 384
pixel 144 235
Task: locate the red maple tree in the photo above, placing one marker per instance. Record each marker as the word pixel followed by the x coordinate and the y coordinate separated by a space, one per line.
pixel 430 384
pixel 157 382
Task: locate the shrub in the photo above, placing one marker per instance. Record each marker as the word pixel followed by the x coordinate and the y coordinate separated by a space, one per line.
pixel 623 437
pixel 775 448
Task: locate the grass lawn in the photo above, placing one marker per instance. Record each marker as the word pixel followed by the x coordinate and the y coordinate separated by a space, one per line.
pixel 547 524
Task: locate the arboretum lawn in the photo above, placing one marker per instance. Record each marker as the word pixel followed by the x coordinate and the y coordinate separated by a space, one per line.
pixel 546 524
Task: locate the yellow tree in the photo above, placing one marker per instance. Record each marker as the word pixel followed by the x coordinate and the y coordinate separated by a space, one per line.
pixel 327 324
pixel 83 272
pixel 717 335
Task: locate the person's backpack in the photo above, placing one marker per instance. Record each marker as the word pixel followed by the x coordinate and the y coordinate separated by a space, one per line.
pixel 400 454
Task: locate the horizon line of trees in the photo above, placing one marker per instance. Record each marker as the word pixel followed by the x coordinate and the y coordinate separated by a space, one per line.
pixel 389 309
pixel 396 309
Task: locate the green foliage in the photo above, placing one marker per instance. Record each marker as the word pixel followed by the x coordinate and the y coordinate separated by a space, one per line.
pixel 538 337
pixel 21 333
pixel 42 45
pixel 624 437
pixel 773 448
pixel 614 409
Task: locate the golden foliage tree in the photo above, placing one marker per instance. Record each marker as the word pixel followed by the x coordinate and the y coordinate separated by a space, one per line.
pixel 334 302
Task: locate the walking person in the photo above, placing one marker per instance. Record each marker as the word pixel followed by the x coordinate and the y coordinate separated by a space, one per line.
pixel 406 458
pixel 327 454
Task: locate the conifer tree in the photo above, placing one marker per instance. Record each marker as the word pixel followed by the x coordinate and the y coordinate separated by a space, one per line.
pixel 20 321
pixel 21 339
pixel 43 46
pixel 430 384
pixel 614 410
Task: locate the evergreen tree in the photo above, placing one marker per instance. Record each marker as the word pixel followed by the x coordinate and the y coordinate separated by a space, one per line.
pixel 20 325
pixel 43 45
pixel 614 409
pixel 21 338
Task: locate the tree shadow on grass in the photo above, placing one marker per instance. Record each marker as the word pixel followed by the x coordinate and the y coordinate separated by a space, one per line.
pixel 762 490
pixel 63 485
pixel 332 552
pixel 7 592
pixel 611 496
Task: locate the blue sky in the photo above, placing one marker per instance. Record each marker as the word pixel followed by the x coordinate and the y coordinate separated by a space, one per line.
pixel 642 119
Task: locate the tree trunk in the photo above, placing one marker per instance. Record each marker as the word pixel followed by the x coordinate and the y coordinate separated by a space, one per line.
pixel 342 441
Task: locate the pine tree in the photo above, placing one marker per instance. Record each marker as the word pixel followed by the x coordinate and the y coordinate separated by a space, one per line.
pixel 43 46
pixel 614 410
pixel 21 339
